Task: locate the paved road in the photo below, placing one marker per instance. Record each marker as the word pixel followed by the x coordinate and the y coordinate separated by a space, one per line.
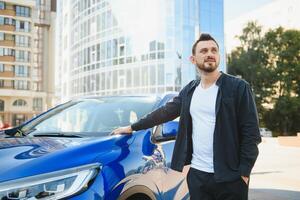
pixel 276 175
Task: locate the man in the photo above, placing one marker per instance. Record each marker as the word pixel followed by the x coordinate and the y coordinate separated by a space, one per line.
pixel 218 129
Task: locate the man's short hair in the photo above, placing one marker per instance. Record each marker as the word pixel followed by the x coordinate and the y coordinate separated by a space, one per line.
pixel 203 37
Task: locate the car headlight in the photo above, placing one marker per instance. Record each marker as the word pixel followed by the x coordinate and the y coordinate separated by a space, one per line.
pixel 54 185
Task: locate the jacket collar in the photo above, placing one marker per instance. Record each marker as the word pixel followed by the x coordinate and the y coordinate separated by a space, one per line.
pixel 196 82
pixel 220 79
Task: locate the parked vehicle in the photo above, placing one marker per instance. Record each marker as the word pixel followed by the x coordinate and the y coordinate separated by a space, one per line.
pixel 68 153
pixel 264 132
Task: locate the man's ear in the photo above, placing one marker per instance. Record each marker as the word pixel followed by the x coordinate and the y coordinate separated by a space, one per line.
pixel 192 59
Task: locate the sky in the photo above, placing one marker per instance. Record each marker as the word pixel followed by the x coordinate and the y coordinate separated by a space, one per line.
pixel 269 14
pixel 235 8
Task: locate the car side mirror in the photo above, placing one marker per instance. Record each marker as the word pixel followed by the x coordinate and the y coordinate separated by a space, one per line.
pixel 170 129
pixel 165 132
pixel 11 132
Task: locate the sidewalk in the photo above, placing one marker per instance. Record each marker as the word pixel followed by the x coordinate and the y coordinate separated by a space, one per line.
pixel 289 141
pixel 276 174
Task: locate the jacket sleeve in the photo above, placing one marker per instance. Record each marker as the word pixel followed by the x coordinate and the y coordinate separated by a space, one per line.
pixel 163 114
pixel 248 129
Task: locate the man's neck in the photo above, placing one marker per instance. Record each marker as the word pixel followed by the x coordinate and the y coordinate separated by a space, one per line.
pixel 207 79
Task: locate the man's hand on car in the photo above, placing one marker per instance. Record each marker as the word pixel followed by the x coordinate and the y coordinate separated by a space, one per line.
pixel 122 130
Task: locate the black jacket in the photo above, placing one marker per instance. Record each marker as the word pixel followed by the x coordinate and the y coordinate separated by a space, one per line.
pixel 236 134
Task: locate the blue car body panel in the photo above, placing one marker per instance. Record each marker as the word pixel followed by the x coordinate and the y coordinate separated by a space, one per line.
pixel 126 161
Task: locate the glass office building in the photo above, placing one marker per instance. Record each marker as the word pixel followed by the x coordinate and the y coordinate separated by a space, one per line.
pixel 112 47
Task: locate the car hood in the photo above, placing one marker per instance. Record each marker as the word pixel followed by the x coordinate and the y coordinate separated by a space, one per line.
pixel 23 157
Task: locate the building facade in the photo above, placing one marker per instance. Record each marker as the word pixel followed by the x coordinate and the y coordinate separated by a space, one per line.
pixel 130 46
pixel 26 59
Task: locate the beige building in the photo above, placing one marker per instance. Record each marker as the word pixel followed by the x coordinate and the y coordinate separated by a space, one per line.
pixel 26 59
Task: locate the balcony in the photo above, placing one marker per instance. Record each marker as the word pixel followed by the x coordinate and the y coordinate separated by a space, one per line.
pixel 7 43
pixel 7 58
pixel 7 87
pixel 5 84
pixel 8 12
pixel 7 74
pixel 7 27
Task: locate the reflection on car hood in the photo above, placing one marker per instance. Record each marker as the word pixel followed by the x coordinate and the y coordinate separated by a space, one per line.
pixel 36 146
pixel 22 157
pixel 29 148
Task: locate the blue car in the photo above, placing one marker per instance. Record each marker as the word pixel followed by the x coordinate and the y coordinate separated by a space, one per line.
pixel 68 153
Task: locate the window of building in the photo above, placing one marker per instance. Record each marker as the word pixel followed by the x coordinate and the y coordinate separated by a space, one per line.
pixel 152 74
pixel 153 46
pixel 37 104
pixel 9 21
pixel 160 55
pixel 108 49
pixel 161 74
pixel 35 86
pixel 1 105
pixel 7 52
pixel 160 46
pixel 22 26
pixel 18 119
pixel 9 68
pixel 21 71
pixel 21 85
pixel 20 102
pixel 122 52
pixel 41 14
pixel 1 36
pixel 22 11
pixel 9 37
pixel 102 50
pixel 2 5
pixel 136 77
pixel 2 83
pixel 22 41
pixel 152 56
pixel 22 56
pixel 115 48
pixel 40 2
pixel 2 68
pixel 145 76
pixel 8 84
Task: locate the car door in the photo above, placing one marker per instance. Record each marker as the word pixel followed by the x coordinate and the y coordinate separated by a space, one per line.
pixel 173 182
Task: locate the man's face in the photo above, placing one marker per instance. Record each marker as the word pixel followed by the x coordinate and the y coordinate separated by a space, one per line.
pixel 207 57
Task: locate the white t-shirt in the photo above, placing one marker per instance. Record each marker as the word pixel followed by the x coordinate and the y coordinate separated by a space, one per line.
pixel 203 114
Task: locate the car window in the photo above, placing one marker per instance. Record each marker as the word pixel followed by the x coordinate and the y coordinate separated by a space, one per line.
pixel 94 115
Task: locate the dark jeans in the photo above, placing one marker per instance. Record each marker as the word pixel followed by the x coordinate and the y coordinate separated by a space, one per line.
pixel 202 186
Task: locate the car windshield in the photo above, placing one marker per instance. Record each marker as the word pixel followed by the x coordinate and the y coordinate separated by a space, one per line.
pixel 91 117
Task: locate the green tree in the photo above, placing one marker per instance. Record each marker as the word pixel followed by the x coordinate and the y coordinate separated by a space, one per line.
pixel 271 64
pixel 250 62
pixel 284 117
pixel 283 48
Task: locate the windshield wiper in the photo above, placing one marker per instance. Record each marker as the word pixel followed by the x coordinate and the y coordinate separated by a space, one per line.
pixel 57 134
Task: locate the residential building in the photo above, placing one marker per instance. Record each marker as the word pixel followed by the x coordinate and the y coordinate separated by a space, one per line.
pixel 26 59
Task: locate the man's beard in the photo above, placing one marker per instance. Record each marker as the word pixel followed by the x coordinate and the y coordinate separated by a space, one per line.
pixel 208 68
